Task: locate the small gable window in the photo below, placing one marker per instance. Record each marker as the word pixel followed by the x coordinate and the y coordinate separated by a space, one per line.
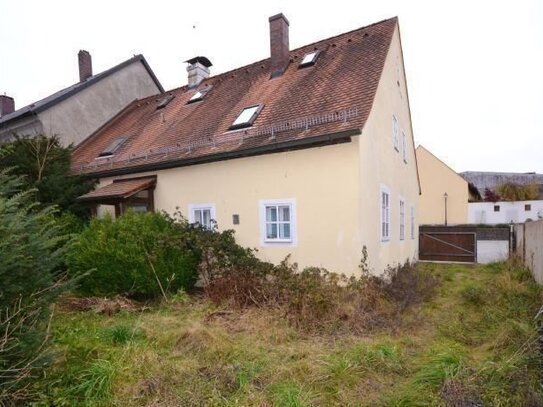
pixel 395 131
pixel 247 117
pixel 404 147
pixel 112 147
pixel 309 59
pixel 162 103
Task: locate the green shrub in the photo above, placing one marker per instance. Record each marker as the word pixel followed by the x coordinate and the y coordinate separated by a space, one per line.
pixel 32 251
pixel 142 255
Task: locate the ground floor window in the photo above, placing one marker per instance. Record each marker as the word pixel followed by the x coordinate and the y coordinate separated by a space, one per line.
pixel 202 214
pixel 277 221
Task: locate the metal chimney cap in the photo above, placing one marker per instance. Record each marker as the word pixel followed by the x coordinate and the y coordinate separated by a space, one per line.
pixel 202 60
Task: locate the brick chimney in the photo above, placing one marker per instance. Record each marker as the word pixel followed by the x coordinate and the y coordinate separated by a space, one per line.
pixel 198 70
pixel 279 44
pixel 85 65
pixel 7 105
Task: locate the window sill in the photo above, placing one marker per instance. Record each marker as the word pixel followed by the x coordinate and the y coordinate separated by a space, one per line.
pixel 277 240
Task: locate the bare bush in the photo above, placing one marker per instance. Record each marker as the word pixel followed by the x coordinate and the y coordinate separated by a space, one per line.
pixel 316 300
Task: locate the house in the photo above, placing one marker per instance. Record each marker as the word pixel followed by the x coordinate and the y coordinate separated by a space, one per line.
pixel 307 153
pixel 75 112
pixel 444 197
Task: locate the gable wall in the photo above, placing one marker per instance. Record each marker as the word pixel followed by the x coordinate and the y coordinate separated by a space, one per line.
pixel 382 165
pixel 78 116
pixel 437 179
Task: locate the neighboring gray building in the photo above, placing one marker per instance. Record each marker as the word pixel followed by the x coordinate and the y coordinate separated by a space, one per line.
pixel 491 180
pixel 77 111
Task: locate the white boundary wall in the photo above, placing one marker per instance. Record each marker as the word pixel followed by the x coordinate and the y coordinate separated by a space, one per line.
pixel 517 212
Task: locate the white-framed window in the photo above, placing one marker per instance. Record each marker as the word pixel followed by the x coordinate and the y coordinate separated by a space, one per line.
pixel 395 133
pixel 402 219
pixel 278 222
pixel 412 221
pixel 385 213
pixel 202 214
pixel 404 147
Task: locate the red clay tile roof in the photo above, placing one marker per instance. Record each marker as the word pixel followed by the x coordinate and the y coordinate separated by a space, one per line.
pixel 119 189
pixel 333 96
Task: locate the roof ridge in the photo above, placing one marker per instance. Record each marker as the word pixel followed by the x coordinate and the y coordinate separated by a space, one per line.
pixel 261 61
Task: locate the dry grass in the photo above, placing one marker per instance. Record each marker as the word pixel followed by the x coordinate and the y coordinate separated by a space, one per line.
pixel 459 352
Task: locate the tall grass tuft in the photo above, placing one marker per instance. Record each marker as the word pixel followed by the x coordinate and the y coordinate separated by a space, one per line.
pixel 96 381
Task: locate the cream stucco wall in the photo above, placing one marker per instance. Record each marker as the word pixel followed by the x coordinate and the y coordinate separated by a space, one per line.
pixel 76 117
pixel 437 179
pixel 382 165
pixel 323 182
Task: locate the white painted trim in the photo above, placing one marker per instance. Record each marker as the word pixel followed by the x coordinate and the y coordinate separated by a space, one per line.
pixel 384 189
pixel 210 206
pixel 264 242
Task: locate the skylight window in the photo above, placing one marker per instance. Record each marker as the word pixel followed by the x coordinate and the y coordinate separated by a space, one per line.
pixel 199 94
pixel 164 101
pixel 246 117
pixel 309 59
pixel 112 147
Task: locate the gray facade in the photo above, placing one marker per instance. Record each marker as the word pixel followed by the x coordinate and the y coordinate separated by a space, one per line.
pixel 76 112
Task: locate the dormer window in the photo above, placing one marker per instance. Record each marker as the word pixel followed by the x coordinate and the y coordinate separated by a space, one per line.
pixel 247 117
pixel 162 103
pixel 309 59
pixel 112 147
pixel 199 95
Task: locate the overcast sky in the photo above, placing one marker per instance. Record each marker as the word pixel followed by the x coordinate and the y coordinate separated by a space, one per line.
pixel 474 68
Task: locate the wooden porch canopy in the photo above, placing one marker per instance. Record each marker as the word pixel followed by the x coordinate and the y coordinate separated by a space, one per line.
pixel 123 194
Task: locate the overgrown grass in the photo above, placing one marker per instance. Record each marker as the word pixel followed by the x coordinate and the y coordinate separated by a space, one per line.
pixel 473 343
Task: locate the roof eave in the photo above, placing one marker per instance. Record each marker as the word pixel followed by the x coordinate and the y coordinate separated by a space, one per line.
pixel 316 141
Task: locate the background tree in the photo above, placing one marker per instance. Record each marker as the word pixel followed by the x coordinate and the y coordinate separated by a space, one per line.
pixel 45 164
pixel 491 196
pixel 516 192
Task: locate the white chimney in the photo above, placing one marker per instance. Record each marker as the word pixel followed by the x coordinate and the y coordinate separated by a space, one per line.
pixel 198 70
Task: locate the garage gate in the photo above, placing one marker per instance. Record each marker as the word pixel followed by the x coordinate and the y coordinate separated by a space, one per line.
pixel 464 244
